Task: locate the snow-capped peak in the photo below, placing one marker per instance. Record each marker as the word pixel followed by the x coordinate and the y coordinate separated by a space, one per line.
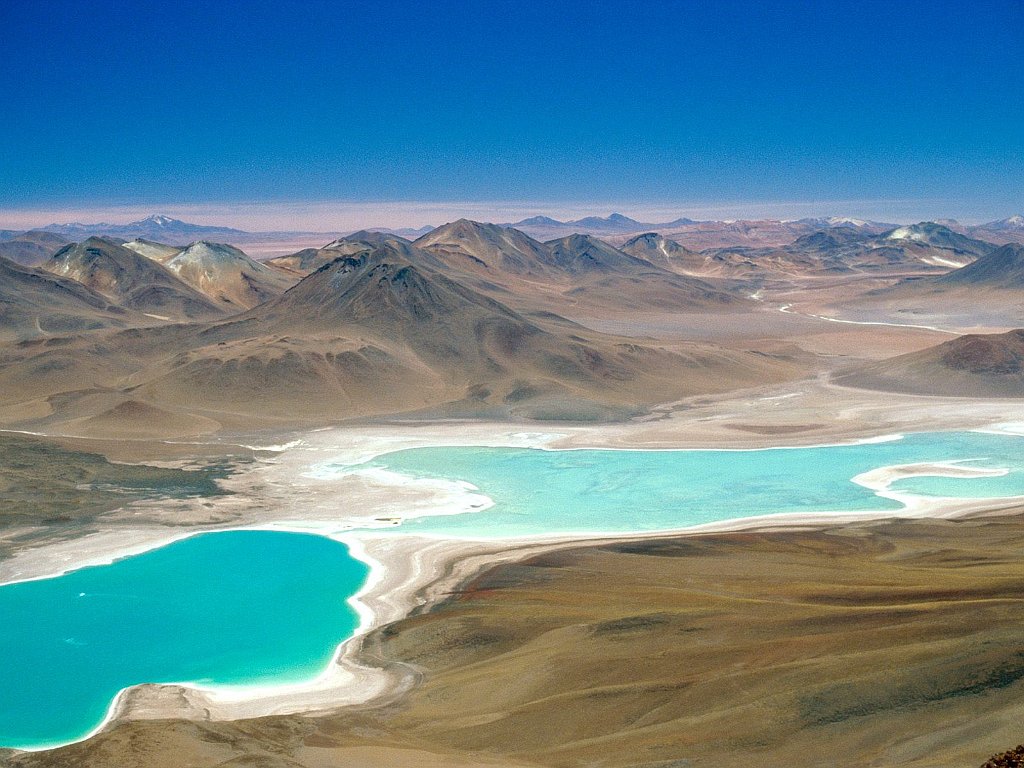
pixel 906 233
pixel 160 221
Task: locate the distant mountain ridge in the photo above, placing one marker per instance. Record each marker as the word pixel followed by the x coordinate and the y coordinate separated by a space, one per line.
pixel 171 231
pixel 691 233
pixel 163 229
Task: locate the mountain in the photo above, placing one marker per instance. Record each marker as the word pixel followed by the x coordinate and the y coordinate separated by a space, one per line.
pixel 538 221
pixel 1002 269
pixel 614 222
pixel 829 240
pixel 914 248
pixel 131 280
pixel 153 250
pixel 607 279
pixel 229 277
pixel 975 365
pixel 34 304
pixel 926 248
pixel 582 254
pixel 382 289
pixel 470 245
pixel 1008 230
pixel 938 236
pixel 1015 223
pixel 547 228
pixel 311 259
pixel 988 292
pixel 373 237
pixel 764 233
pixel 163 229
pixel 31 248
pixel 1010 224
pixel 695 235
pixel 408 233
pixel 663 252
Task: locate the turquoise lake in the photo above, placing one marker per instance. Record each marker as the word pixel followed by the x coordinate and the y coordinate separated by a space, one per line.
pixel 220 608
pixel 580 491
pixel 267 607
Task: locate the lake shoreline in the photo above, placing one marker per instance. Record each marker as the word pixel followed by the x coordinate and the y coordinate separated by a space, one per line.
pixel 408 572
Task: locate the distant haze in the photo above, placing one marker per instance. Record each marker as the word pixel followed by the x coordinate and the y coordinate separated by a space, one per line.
pixel 336 216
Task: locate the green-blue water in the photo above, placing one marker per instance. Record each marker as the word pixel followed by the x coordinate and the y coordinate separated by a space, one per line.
pixel 554 492
pixel 266 607
pixel 221 608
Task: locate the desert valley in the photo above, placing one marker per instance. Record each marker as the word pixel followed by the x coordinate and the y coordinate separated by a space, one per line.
pixel 179 386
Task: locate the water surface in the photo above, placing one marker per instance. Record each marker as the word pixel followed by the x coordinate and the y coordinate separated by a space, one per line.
pixel 219 609
pixel 620 491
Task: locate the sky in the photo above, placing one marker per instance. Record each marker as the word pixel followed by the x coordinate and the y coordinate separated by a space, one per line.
pixel 409 113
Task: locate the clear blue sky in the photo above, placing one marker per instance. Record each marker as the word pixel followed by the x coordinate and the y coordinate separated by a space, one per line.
pixel 154 102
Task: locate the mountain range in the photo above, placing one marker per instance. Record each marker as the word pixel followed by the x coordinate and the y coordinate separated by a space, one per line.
pixel 616 227
pixel 389 328
pixel 577 273
pixel 469 319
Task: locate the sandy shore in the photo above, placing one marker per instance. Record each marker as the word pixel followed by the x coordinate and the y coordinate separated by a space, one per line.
pixel 291 487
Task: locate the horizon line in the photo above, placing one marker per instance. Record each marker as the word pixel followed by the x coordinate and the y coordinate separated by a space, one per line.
pixel 341 215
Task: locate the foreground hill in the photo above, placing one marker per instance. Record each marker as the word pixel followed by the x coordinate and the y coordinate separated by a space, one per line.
pixel 403 332
pixel 34 303
pixel 975 365
pixel 227 276
pixel 131 280
pixel 373 334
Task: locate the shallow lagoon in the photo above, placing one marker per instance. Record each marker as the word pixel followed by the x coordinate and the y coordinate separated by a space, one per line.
pixel 265 607
pixel 215 609
pixel 537 492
